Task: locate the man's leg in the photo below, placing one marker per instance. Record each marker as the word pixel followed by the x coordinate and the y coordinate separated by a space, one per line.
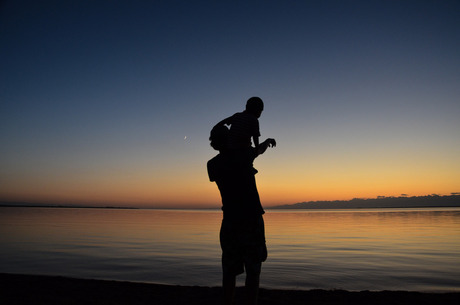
pixel 228 284
pixel 253 265
pixel 252 287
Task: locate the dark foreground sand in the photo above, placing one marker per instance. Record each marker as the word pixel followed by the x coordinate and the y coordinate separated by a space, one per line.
pixel 50 290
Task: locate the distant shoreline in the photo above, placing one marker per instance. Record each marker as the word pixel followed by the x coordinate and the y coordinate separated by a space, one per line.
pixel 30 205
pixel 381 202
pixel 276 208
pixel 38 205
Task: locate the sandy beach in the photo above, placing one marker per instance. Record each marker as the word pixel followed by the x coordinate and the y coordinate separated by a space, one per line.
pixel 35 289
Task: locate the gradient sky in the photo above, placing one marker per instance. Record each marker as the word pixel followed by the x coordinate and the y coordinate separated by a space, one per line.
pixel 111 102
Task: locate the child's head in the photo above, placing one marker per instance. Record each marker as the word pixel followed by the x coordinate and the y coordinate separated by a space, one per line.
pixel 255 106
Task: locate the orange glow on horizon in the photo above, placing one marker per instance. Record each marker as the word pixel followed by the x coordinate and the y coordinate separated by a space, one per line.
pixel 278 184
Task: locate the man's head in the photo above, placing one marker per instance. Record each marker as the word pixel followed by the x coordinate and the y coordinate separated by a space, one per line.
pixel 255 106
pixel 219 137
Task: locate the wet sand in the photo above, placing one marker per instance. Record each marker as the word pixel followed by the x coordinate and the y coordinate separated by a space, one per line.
pixel 50 290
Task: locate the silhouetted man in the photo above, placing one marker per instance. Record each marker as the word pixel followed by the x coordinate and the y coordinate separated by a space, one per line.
pixel 242 234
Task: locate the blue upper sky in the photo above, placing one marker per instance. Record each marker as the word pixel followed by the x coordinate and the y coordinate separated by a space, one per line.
pixel 114 100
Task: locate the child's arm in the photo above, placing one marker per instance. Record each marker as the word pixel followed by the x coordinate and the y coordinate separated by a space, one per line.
pixel 264 145
pixel 256 141
pixel 227 121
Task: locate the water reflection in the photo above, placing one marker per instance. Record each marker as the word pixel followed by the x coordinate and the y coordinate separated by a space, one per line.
pixel 366 248
pixel 354 250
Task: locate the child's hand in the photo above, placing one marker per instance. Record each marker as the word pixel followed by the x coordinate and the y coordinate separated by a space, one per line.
pixel 271 142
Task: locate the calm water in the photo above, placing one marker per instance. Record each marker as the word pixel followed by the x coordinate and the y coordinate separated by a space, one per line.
pixel 398 249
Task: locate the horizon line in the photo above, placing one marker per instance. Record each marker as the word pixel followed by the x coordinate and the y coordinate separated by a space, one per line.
pixel 9 203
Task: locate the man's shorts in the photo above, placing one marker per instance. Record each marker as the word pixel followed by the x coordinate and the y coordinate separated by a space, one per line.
pixel 243 245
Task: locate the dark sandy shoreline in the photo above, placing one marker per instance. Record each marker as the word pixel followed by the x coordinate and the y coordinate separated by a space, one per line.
pixel 35 289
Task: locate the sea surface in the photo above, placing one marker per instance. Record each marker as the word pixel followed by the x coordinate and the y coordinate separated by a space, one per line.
pixel 378 249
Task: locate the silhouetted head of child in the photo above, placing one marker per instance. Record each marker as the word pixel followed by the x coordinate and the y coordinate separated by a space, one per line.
pixel 219 137
pixel 255 106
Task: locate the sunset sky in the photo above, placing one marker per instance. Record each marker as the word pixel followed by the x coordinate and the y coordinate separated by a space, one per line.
pixel 112 102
